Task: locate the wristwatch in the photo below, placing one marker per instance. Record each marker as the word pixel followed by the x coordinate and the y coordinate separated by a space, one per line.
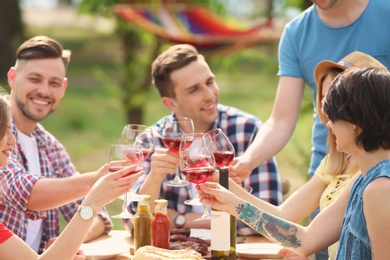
pixel 180 221
pixel 86 212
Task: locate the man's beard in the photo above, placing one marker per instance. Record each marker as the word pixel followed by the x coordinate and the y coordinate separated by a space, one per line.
pixel 28 114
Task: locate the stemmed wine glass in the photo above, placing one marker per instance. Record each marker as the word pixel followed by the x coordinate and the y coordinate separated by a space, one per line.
pixel 223 149
pixel 172 132
pixel 198 165
pixel 197 140
pixel 139 135
pixel 119 157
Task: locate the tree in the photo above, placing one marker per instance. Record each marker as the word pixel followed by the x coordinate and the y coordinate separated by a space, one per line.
pixel 11 34
pixel 139 50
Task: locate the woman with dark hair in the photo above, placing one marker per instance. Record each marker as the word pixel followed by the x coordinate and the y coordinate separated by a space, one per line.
pixel 358 110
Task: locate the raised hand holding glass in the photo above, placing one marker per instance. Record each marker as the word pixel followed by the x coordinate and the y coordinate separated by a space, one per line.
pixel 119 157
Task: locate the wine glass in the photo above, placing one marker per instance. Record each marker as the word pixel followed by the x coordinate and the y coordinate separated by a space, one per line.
pixel 223 149
pixel 198 165
pixel 119 157
pixel 196 140
pixel 139 135
pixel 172 132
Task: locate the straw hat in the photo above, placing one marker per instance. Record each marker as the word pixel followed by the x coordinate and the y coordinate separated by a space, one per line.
pixel 354 59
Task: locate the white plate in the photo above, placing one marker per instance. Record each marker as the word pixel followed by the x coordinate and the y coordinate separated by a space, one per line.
pixel 94 253
pixel 204 234
pixel 107 246
pixel 259 250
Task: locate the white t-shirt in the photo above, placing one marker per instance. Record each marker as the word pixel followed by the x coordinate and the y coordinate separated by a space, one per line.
pixel 30 149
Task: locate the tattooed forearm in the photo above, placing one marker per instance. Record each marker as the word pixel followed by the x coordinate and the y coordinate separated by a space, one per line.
pixel 269 226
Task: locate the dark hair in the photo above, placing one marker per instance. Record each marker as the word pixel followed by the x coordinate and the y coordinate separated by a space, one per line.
pixel 361 96
pixel 41 47
pixel 176 57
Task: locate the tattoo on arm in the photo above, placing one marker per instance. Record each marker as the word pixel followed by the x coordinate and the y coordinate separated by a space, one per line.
pixel 281 231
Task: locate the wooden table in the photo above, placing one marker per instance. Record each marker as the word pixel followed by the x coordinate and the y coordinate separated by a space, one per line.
pixel 118 244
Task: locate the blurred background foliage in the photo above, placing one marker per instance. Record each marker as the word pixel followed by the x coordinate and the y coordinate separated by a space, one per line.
pixel 110 84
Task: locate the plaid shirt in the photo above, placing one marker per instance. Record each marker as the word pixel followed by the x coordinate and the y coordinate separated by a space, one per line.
pixel 241 129
pixel 18 182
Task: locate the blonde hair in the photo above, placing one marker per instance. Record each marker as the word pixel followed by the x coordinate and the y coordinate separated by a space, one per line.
pixel 336 163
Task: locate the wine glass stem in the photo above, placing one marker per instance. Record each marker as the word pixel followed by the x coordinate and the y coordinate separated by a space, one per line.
pixel 177 174
pixel 124 206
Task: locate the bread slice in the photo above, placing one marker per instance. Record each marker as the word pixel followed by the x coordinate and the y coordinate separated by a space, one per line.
pixel 155 253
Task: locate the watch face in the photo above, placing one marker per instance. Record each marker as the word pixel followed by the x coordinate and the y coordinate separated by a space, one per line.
pixel 86 212
pixel 180 220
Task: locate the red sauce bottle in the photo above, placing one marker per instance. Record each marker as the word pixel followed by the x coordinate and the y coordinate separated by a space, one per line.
pixel 161 225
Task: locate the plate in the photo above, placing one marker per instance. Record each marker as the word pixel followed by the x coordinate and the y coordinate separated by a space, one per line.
pixel 259 250
pixel 93 253
pixel 107 246
pixel 204 234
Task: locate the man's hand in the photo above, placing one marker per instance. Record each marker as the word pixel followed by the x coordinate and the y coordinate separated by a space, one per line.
pixel 163 161
pixel 241 167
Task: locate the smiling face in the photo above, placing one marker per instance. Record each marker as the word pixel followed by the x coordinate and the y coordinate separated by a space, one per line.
pixel 196 94
pixel 37 86
pixel 345 135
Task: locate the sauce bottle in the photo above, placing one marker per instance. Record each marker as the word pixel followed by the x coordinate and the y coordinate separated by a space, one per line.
pixel 142 224
pixel 161 225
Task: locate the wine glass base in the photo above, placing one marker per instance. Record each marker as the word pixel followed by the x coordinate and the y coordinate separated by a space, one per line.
pixel 193 202
pixel 177 183
pixel 125 215
pixel 206 217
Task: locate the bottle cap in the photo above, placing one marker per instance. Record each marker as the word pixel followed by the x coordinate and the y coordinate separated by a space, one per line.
pixel 161 202
pixel 145 197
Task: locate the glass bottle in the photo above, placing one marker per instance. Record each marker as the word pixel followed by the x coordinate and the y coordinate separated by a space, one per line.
pixel 142 224
pixel 223 228
pixel 161 225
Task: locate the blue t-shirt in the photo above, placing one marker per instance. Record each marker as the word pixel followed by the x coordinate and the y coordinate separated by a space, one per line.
pixel 354 243
pixel 306 41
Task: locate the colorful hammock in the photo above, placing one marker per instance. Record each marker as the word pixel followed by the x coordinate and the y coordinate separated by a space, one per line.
pixel 196 25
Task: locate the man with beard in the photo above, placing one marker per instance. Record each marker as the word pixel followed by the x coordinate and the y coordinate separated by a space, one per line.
pixel 188 88
pixel 40 181
pixel 328 30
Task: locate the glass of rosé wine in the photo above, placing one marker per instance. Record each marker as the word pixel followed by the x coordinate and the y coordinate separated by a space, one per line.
pixel 196 140
pixel 172 132
pixel 198 165
pixel 223 149
pixel 119 157
pixel 139 135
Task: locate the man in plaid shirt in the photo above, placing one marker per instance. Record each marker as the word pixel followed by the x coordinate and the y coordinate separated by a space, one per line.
pixel 40 182
pixel 188 88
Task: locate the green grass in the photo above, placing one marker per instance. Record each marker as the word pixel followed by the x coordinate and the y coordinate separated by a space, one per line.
pixel 90 117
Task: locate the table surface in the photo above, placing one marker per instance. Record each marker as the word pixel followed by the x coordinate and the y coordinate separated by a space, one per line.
pixel 120 245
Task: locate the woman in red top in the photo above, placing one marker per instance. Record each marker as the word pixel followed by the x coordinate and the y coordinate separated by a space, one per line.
pixel 66 246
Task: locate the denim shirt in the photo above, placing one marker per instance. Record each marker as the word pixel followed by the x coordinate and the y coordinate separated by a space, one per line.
pixel 354 241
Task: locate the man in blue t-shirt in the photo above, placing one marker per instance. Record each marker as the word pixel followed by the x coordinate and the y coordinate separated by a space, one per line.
pixel 328 30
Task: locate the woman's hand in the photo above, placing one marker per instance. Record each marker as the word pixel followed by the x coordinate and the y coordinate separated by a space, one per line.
pixel 216 196
pixel 111 186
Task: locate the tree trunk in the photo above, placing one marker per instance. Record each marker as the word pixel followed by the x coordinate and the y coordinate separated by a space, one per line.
pixel 137 77
pixel 11 34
